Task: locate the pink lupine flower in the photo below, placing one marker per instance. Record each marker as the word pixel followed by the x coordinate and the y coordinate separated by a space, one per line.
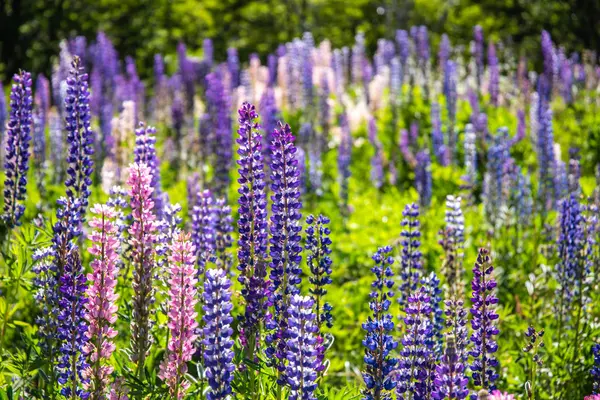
pixel 142 241
pixel 101 310
pixel 181 316
pixel 119 391
pixel 498 395
pixel 592 397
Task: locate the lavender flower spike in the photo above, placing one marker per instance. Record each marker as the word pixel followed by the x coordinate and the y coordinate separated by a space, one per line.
pixel 411 257
pixel 302 352
pixel 252 225
pixel 450 380
pixel 16 158
pixel 145 152
pixel 379 340
pixel 218 353
pixel 79 136
pixel 484 323
pixel 285 247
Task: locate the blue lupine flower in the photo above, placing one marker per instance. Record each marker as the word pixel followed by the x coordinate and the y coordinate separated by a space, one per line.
pixel 3 115
pixel 223 229
pixel 494 74
pixel 377 158
pixel 218 108
pixel 423 178
pixel 450 93
pixel 417 362
pixel 302 348
pixel 72 329
pixel 595 372
pixel 546 157
pixel 411 258
pixel 437 136
pixel 478 53
pixel 233 66
pixel 452 241
pixel 344 159
pixel 484 323
pixel 145 152
pixel 218 344
pixel 379 339
pixel 79 136
pixel 444 51
pixel 285 247
pixel 431 283
pixel 252 224
pixel 270 115
pixel 203 230
pixel 16 156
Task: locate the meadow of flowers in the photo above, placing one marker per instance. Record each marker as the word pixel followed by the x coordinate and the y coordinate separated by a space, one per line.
pixel 417 224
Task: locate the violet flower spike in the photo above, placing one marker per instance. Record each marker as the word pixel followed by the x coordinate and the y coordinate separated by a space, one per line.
pixel 218 344
pixel 16 156
pixel 380 365
pixel 252 225
pixel 411 257
pixel 484 323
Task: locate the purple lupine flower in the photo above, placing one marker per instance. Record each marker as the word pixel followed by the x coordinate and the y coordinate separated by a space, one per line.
pixel 494 181
pixel 101 308
pixel 417 362
pixel 451 99
pixel 377 158
pixel 479 54
pixel 574 171
pixel 203 230
pixel 208 52
pixel 233 66
pixel 217 341
pixel 16 156
pixel 405 148
pixel 42 105
pixel 453 238
pixel 379 339
pixel 411 258
pixel 358 53
pixel 223 229
pixel 450 379
pixel 402 41
pixel 60 74
pixel 444 51
pixel 571 242
pixel 78 46
pixel 79 136
pixel 431 283
pixel 252 226
pixel 423 178
pixel 396 79
pixel 182 298
pixel 521 127
pixel 318 247
pixel 494 74
pixel 160 108
pixel 484 323
pixel 272 61
pixel 206 140
pixel 344 160
pixel 142 240
pixel 285 247
pixel 301 348
pixel 218 108
pixel 566 79
pixel 437 136
pixel 456 321
pixel 413 134
pixel 72 329
pixel 42 96
pixel 548 56
pixel 521 197
pixel 3 115
pixel 177 121
pixel 145 153
pixel 337 64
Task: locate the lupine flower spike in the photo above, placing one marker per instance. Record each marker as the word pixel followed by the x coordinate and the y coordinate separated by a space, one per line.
pixel 101 309
pixel 484 323
pixel 16 156
pixel 379 339
pixel 181 315
pixel 143 238
pixel 218 344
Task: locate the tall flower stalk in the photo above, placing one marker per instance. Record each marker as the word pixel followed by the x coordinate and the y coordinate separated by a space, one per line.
pixel 252 227
pixel 379 340
pixel 16 156
pixel 484 323
pixel 142 241
pixel 182 322
pixel 285 247
pixel 411 263
pixel 101 308
pixel 217 341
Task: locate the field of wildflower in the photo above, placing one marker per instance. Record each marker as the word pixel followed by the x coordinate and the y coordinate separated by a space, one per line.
pixel 416 223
